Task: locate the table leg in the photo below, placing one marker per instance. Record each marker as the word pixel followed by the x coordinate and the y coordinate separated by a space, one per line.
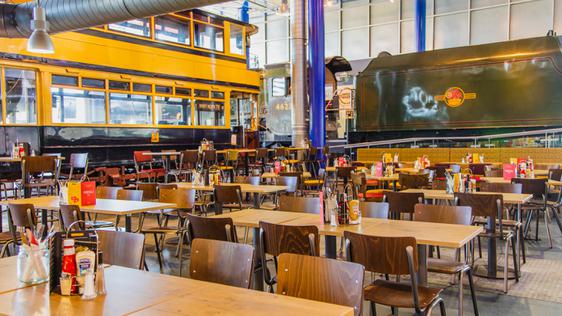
pixel 247 164
pixel 422 265
pixel 166 161
pixel 518 237
pixel 555 215
pixel 44 217
pixel 258 274
pixel 128 223
pixel 257 203
pixel 492 260
pixel 331 246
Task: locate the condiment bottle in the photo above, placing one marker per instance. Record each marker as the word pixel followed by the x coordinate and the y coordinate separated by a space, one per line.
pixel 100 276
pixel 69 262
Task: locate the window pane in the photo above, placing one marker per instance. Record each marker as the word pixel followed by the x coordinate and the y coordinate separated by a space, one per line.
pixel 217 95
pixel 93 83
pixel 209 113
pixel 130 108
pixel 384 38
pixel 142 87
pixel 163 89
pixel 332 20
pixel 277 27
pixel 384 11
pixel 355 44
pixel 119 85
pixel 209 37
pixel 355 14
pixel 451 30
pixel 332 44
pixel 20 96
pixel 183 91
pixel 236 39
pixel 201 93
pixel 140 27
pixel 443 6
pixel 173 111
pixel 77 106
pixel 530 19
pixel 171 29
pixel 488 25
pixel 277 51
pixel 408 8
pixel 484 3
pixel 64 80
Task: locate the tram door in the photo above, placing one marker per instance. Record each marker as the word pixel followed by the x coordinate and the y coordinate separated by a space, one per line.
pixel 243 113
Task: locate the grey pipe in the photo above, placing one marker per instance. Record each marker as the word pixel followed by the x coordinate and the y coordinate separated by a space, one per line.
pixel 299 98
pixel 65 15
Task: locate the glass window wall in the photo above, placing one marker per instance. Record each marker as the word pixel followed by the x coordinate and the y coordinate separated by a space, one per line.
pixel 77 106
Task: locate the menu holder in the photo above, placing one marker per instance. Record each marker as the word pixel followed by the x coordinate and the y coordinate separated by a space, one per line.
pixel 87 238
pixel 508 171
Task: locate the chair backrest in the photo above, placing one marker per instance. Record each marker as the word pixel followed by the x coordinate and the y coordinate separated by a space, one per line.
pixel 281 152
pixel 190 157
pixel 439 184
pixel 299 204
pixel 494 173
pixel 79 160
pixel 461 215
pixel 22 215
pixel 130 195
pixel 292 183
pixel 546 166
pixel 501 187
pixel 183 198
pixel 68 214
pixel 321 279
pixel 277 239
pixel 167 186
pixel 477 168
pixel 297 174
pixel 555 174
pixel 386 255
pixel 210 156
pixel 344 172
pixel 228 194
pixel 262 153
pixel 253 180
pixel 536 187
pixel 221 262
pixel 34 164
pixel 103 192
pixel 211 228
pixel 150 191
pixel 413 181
pixel 402 202
pixel 374 209
pixel 487 205
pixel 122 248
pixel 140 157
pixel 359 184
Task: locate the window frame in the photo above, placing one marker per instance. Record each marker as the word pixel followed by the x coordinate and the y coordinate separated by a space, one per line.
pixel 3 95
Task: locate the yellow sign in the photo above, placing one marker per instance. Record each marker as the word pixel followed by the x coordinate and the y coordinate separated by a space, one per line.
pixel 155 137
pixel 455 97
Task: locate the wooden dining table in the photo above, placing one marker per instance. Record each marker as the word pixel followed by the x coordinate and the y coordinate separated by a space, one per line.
pixel 137 292
pixel 256 190
pixel 508 198
pixel 103 206
pixel 426 234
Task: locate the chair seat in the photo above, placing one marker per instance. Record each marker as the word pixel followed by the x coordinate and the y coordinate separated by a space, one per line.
pixel 399 295
pixel 41 183
pixel 160 230
pixel 445 266
pixel 6 237
pixel 313 182
pixel 373 194
pixel 226 167
pixel 373 183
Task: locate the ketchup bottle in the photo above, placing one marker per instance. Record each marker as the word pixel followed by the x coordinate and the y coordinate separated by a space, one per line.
pixel 69 262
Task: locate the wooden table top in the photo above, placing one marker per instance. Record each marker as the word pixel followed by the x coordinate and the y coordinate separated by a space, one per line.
pixel 272 175
pixel 555 183
pixel 495 180
pixel 132 291
pixel 510 198
pixel 409 170
pixel 103 206
pixel 11 160
pixel 436 234
pixel 238 150
pixel 245 187
pixel 393 177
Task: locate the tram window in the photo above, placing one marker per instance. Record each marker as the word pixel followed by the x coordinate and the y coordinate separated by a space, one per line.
pixel 65 80
pixel 140 27
pixel 183 91
pixel 21 107
pixel 163 89
pixel 77 106
pixel 119 85
pixel 130 108
pixel 236 39
pixel 171 29
pixel 217 95
pixel 93 83
pixel 173 111
pixel 201 93
pixel 142 87
pixel 200 17
pixel 208 36
pixel 209 113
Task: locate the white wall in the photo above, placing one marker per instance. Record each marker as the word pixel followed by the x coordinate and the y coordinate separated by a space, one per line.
pixel 362 28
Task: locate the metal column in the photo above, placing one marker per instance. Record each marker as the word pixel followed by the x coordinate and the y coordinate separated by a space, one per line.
pixel 245 17
pixel 299 99
pixel 420 24
pixel 317 78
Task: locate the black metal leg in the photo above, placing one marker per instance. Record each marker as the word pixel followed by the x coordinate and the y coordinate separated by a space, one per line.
pixel 515 264
pixel 422 265
pixel 258 275
pixel 128 223
pixel 331 245
pixel 158 252
pixel 257 201
pixel 492 252
pixel 472 292
pixel 555 215
pixel 44 217
pixel 373 309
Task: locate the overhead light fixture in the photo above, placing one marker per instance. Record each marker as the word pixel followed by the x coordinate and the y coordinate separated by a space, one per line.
pixel 283 8
pixel 40 41
pixel 330 3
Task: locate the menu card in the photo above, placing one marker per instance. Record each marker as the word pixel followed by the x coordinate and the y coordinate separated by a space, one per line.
pixel 508 171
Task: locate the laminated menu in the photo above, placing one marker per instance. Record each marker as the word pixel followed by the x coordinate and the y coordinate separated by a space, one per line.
pixel 508 171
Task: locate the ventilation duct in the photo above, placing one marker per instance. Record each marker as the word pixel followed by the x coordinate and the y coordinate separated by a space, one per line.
pixel 64 15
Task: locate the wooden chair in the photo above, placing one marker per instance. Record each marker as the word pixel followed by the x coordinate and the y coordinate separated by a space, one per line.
pixel 149 191
pixel 477 168
pixel 321 279
pixel 78 161
pixel 103 192
pixel 122 248
pixel 496 173
pixel 222 262
pixel 209 158
pixel 400 258
pixel 360 188
pixel 489 207
pixel 20 216
pixel 374 209
pixel 460 215
pixel 227 196
pixel 539 204
pixel 343 174
pixel 291 182
pixel 34 171
pixel 210 228
pixel 555 174
pixel 276 239
pixel 130 195
pixel 69 214
pixel 302 204
pixel 413 181
pixel 402 202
